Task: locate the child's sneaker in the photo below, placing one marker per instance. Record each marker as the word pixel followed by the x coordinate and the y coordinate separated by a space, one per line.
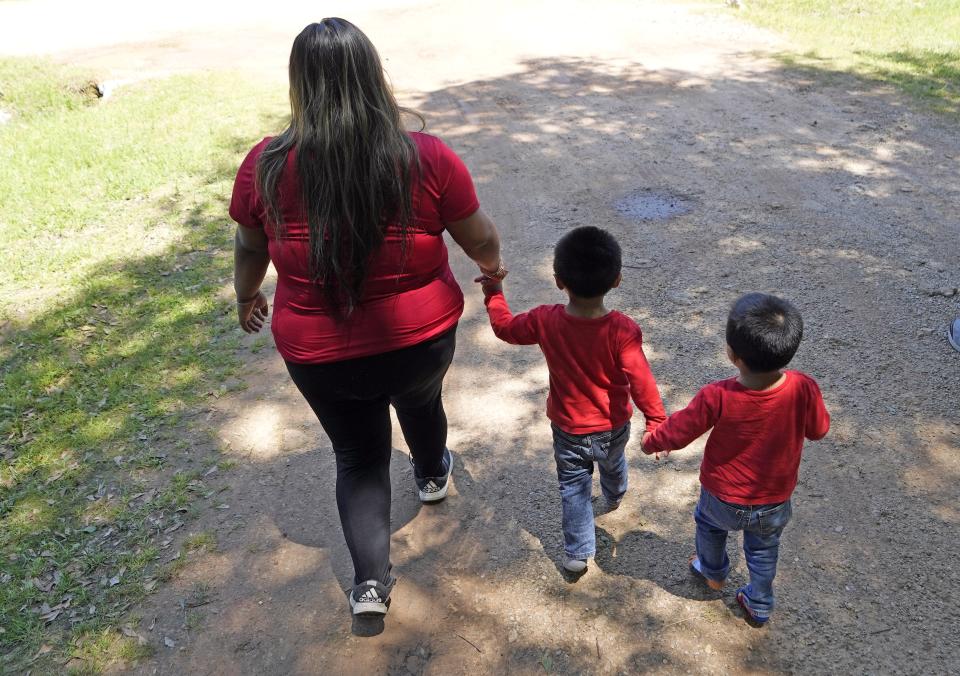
pixel 604 505
pixel 370 598
pixel 751 617
pixel 575 566
pixel 715 585
pixel 433 488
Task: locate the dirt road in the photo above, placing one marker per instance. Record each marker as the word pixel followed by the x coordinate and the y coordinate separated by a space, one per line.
pixel 836 194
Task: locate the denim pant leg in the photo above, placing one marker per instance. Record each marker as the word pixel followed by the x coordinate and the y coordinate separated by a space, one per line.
pixel 714 521
pixel 574 459
pixel 761 548
pixel 612 462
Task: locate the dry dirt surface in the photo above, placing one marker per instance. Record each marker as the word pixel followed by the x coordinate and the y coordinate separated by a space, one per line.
pixel 720 172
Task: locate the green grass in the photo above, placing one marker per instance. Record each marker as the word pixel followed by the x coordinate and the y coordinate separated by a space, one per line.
pixel 914 45
pixel 113 331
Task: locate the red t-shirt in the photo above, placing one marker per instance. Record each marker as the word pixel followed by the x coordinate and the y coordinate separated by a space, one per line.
pixel 596 365
pixel 405 301
pixel 752 455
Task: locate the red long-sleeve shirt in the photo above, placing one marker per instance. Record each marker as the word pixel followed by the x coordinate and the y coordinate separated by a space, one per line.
pixel 596 365
pixel 752 456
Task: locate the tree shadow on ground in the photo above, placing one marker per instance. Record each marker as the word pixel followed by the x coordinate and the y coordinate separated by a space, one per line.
pixel 929 76
pixel 837 198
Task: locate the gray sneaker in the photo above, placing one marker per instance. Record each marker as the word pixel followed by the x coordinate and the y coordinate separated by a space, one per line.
pixel 602 505
pixel 575 566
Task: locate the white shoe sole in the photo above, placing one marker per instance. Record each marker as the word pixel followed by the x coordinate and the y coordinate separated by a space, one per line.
pixel 367 608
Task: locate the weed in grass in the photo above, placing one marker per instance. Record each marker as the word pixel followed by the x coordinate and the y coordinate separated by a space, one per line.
pixel 258 344
pixel 201 541
pixel 171 569
pixel 193 620
pixel 200 595
pixel 96 651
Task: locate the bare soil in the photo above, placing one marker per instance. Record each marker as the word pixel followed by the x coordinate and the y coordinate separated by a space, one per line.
pixel 831 191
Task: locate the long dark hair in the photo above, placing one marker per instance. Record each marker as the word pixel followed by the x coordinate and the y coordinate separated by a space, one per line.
pixel 355 162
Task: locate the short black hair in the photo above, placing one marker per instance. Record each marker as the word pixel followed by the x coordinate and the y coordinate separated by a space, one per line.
pixel 587 260
pixel 764 331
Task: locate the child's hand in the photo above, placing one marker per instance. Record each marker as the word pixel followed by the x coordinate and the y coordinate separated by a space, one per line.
pixel 656 454
pixel 490 285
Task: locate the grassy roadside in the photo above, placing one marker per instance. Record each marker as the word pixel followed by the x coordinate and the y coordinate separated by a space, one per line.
pixel 113 333
pixel 913 45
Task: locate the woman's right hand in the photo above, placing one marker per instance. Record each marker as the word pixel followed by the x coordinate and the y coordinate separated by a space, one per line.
pixel 252 313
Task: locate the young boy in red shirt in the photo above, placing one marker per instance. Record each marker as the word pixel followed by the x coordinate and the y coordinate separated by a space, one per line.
pixel 596 362
pixel 749 469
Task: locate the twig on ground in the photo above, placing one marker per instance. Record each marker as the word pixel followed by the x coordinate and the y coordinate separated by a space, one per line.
pixel 470 642
pixel 673 624
pixel 598 646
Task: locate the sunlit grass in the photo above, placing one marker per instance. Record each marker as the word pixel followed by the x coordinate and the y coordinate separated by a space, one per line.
pixel 113 218
pixel 913 45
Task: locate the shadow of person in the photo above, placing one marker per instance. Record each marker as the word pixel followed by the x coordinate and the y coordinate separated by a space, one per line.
pixel 644 555
pixel 303 506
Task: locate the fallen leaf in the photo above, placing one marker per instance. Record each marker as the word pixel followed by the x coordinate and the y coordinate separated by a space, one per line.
pixel 51 615
pixel 53 477
pixel 44 586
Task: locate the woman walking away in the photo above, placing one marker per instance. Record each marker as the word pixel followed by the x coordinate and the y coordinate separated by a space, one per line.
pixel 351 209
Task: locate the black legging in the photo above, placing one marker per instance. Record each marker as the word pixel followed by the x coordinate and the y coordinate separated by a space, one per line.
pixel 352 401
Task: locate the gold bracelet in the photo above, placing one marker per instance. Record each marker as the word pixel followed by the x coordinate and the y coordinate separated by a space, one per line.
pixel 499 273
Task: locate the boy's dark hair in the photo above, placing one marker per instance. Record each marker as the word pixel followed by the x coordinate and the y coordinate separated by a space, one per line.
pixel 587 260
pixel 764 331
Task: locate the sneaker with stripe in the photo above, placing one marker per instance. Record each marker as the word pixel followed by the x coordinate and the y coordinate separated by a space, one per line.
pixel 433 488
pixel 370 598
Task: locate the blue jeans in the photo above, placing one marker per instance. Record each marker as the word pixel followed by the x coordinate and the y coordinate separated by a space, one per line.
pixel 761 526
pixel 575 455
